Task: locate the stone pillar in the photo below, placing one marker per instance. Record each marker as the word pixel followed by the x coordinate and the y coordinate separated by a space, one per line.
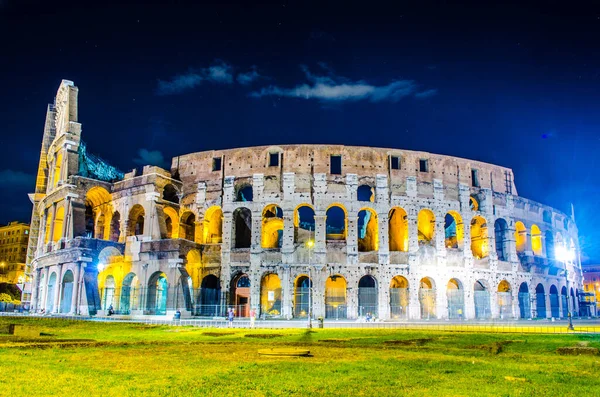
pixel 58 290
pixel 352 239
pixel 256 240
pixel 320 231
pixel 384 244
pixel 46 271
pixel 258 187
pixel 495 309
pixel 469 300
pixel 413 232
pixel 383 295
pixel 287 244
pixel 414 306
pixel 199 231
pixel 51 238
pixel 548 305
pixel 286 293
pixel 34 290
pixel 440 236
pixel 352 299
pixel 318 302
pixel 42 233
pixel 76 285
pixel 441 302
pixel 515 303
pixel 151 227
pixel 289 185
pixel 255 286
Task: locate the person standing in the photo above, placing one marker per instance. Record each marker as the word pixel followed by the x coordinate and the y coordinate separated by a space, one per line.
pixel 252 318
pixel 230 318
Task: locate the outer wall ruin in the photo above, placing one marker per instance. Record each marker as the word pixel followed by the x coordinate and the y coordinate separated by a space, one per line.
pixel 387 233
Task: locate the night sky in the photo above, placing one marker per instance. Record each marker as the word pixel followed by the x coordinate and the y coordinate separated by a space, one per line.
pixel 517 86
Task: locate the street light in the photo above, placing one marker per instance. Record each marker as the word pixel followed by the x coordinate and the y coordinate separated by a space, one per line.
pixel 566 255
pixel 309 244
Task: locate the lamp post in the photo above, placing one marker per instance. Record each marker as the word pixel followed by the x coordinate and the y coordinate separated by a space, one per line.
pixel 565 255
pixel 309 244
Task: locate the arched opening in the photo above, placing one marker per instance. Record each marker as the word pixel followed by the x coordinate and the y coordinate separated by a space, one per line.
pixel 209 298
pixel 108 296
pixel 540 301
pixel 554 302
pixel 504 299
pixel 520 237
pixel 482 299
pixel 563 300
pixel 398 229
pixel 270 295
pixel 536 240
pixel 187 226
pixel 427 298
pixel 272 227
pixel 368 231
pixel 547 216
pixel 213 225
pixel 367 297
pixel 129 294
pixel 335 297
pixel 57 169
pixel 479 237
pixel 240 295
pixel 89 221
pixel 302 287
pixel 50 293
pixel 57 234
pixel 426 226
pixel 171 222
pixel 524 301
pixel 67 292
pixel 242 228
pixel 115 227
pixel 549 245
pixel 454 230
pixel 304 223
pixel 157 294
pixel 399 297
pixel 171 194
pixel 473 203
pixel 365 193
pixel 244 192
pixel 98 209
pixel 502 241
pixel 49 225
pixel 100 227
pixel 136 221
pixel 335 223
pixel 456 299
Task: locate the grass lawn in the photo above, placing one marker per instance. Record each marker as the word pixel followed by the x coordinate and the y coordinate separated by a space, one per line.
pixel 134 359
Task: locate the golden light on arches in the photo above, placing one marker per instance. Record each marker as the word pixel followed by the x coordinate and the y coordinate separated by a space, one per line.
pixel 370 230
pixel 426 225
pixel 272 227
pixel 213 225
pixel 536 240
pixel 270 295
pixel 454 229
pixel 479 237
pixel 398 229
pixel 520 236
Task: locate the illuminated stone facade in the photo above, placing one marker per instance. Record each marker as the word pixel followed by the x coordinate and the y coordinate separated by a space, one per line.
pixel 13 247
pixel 387 233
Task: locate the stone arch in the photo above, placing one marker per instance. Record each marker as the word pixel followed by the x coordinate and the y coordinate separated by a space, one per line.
pixel 98 210
pixel 335 297
pixel 58 160
pixel 100 229
pixel 399 298
pixel 66 297
pixel 536 240
pixel 136 221
pixel 504 294
pixel 481 292
pixel 549 240
pixel 367 296
pixel 398 229
pixel 368 230
pixel 524 301
pixel 213 225
pixel 426 226
pixel 158 290
pixel 194 266
pixel 59 219
pixel 208 300
pixel 270 295
pixel 456 299
pixel 240 294
pixel 171 222
pixel 540 301
pixel 502 235
pixel 302 286
pixel 244 192
pixel 365 193
pixel 454 230
pixel 170 193
pixel 241 231
pixel 272 227
pixel 336 222
pixel 427 298
pixel 129 299
pixel 109 292
pixel 479 237
pixel 554 302
pixel 187 226
pixel 106 255
pixel 50 292
pixel 520 237
pixel 473 203
pixel 115 227
pixel 304 223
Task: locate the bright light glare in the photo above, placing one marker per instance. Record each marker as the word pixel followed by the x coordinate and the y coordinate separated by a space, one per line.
pixel 101 267
pixel 564 254
pixel 310 243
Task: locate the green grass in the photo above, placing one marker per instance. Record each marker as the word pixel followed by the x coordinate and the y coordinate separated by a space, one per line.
pixel 133 359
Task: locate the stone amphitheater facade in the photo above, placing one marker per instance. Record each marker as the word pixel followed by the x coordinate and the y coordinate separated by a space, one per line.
pixel 387 233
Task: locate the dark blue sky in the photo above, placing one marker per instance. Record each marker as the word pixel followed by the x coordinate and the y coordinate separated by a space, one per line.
pixel 513 85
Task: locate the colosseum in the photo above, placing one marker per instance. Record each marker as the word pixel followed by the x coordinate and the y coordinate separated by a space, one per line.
pixel 349 231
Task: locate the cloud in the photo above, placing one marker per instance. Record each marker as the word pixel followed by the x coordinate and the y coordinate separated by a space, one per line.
pixel 17 179
pixel 334 88
pixel 249 77
pixel 150 157
pixel 426 94
pixel 219 73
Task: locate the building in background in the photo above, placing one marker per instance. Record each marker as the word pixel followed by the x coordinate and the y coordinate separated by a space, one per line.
pixel 14 238
pixel 591 287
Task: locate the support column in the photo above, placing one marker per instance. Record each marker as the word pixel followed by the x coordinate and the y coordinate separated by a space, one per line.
pixel 286 294
pixel 45 291
pixel 320 232
pixel 469 301
pixel 548 305
pixel 75 294
pixel 352 300
pixel 352 239
pixel 495 309
pixel 515 303
pixel 414 306
pixel 441 302
pixel 413 232
pixel 34 290
pixel 58 290
pixel 384 245
pixel 287 244
pixel 383 294
pixel 255 246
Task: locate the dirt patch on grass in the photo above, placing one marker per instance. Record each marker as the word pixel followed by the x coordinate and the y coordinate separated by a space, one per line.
pixel 494 347
pixel 578 350
pixel 335 340
pixel 217 334
pixel 262 336
pixel 408 342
